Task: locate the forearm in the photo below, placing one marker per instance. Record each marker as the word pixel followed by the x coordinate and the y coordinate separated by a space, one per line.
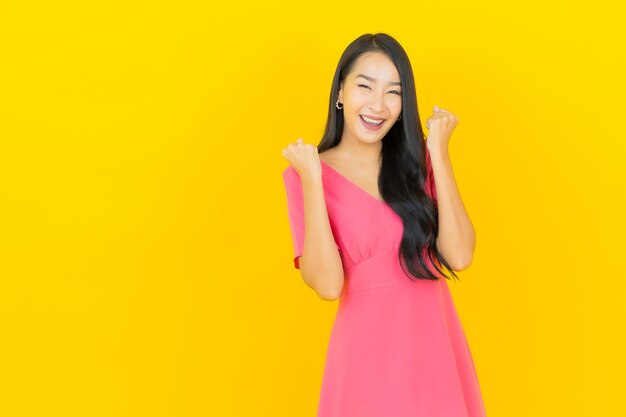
pixel 320 264
pixel 456 240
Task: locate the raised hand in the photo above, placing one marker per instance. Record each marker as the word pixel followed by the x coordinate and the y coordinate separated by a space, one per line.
pixel 440 127
pixel 304 158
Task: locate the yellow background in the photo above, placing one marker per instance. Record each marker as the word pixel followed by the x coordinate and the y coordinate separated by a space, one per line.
pixel 145 257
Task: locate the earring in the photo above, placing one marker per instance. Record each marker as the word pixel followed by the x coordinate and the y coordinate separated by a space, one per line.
pixel 337 105
pixel 400 117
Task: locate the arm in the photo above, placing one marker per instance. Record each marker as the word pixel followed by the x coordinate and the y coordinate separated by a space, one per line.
pixel 320 264
pixel 456 240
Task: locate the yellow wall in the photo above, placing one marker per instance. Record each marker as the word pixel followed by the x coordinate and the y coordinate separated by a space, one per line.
pixel 145 257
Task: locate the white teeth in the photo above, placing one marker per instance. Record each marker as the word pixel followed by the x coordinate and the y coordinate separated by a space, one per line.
pixel 372 121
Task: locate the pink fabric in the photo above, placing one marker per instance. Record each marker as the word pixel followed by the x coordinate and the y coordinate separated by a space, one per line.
pixel 397 347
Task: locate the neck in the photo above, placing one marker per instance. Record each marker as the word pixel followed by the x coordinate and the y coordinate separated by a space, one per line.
pixel 360 153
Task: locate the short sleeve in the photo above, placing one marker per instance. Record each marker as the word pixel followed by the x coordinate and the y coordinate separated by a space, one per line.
pixel 295 212
pixel 431 190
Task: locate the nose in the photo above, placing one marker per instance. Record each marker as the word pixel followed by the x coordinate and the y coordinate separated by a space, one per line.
pixel 377 103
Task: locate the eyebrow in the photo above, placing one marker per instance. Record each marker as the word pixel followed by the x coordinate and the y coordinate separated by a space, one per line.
pixel 374 80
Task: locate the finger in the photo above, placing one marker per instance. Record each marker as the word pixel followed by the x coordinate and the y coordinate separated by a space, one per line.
pixel 443 116
pixel 438 116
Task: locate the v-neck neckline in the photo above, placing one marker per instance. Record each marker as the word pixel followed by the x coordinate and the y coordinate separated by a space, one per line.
pixel 340 175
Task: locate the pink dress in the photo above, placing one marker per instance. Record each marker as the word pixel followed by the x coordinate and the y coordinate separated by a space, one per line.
pixel 397 347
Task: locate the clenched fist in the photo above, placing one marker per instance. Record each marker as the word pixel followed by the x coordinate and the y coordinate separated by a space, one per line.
pixel 304 158
pixel 440 127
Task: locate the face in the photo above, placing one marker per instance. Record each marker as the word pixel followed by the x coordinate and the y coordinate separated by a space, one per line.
pixel 372 89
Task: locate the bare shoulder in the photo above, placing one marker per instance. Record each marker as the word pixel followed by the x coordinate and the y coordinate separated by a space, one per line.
pixel 324 156
pixel 330 157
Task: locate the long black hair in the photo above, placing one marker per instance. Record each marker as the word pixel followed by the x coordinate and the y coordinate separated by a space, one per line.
pixel 403 170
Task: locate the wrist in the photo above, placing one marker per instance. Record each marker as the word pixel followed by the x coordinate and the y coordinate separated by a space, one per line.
pixel 314 180
pixel 438 151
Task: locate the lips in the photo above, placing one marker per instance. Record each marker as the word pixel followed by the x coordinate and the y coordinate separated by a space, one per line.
pixel 370 120
pixel 370 126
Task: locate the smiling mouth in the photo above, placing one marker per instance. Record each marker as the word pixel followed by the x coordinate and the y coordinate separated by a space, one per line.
pixel 374 127
pixel 370 121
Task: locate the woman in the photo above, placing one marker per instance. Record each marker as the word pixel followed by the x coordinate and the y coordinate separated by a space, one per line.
pixel 383 219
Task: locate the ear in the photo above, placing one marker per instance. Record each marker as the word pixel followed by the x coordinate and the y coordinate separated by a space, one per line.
pixel 340 93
